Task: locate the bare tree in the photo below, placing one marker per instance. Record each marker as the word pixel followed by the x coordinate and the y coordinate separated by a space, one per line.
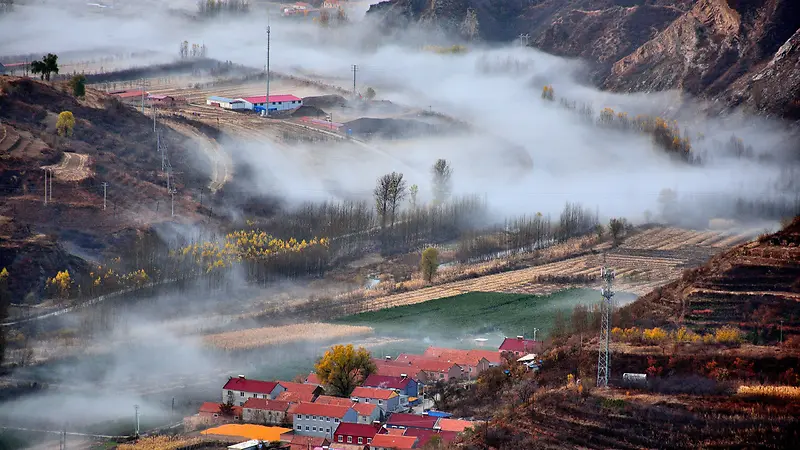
pixel 389 192
pixel 442 173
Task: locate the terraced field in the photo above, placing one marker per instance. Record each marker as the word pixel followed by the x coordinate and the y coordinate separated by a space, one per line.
pixel 642 263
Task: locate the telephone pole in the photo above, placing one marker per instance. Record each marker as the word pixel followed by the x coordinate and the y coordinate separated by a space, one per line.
pixel 266 101
pixel 45 187
pixel 143 95
pixel 534 334
pixel 355 69
pixel 105 186
pixel 603 355
pixel 154 116
pixel 136 408
pixel 172 199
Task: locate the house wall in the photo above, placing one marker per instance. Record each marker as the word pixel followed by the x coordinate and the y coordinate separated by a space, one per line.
pixel 317 426
pixel 260 416
pixel 389 405
pixel 239 397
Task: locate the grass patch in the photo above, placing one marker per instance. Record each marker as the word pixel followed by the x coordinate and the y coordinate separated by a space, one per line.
pixel 477 313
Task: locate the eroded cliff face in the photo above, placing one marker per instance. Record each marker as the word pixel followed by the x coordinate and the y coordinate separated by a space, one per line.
pixel 743 52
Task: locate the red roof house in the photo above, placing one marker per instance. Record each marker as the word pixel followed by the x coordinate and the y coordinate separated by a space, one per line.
pixel 238 390
pixel 424 435
pixel 304 388
pixel 472 361
pixel 520 346
pixel 368 412
pixel 263 411
pixel 295 397
pixel 455 425
pixel 136 93
pixel 355 433
pixel 393 442
pixel 211 410
pixel 398 420
pixel 434 369
pixel 305 442
pixel 312 378
pixel 368 392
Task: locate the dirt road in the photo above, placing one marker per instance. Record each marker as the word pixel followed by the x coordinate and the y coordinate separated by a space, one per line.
pixel 221 162
pixel 73 167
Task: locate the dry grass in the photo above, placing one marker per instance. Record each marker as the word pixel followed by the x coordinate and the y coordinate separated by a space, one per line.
pixel 261 337
pixel 160 443
pixel 787 392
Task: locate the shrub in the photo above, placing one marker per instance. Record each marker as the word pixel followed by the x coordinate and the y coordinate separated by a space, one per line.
pixel 684 335
pixel 654 335
pixel 728 335
pixel 787 392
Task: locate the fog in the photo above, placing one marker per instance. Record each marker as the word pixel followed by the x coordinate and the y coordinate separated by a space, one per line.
pixel 523 154
pixel 495 89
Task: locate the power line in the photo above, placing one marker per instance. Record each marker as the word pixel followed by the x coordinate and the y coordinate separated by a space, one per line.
pixel 603 355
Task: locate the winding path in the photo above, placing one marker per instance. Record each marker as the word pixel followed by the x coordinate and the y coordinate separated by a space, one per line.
pixel 72 167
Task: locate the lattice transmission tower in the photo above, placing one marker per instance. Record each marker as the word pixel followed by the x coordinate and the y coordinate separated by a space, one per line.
pixel 603 356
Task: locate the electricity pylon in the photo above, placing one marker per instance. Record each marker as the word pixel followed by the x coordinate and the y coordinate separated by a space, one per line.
pixel 603 356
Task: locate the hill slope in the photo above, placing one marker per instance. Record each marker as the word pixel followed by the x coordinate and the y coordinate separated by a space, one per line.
pixel 717 49
pixel 753 286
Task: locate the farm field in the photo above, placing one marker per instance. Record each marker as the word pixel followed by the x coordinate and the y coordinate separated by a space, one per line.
pixel 259 337
pixel 478 313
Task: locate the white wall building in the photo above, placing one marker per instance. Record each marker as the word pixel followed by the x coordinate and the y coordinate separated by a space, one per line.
pixel 226 103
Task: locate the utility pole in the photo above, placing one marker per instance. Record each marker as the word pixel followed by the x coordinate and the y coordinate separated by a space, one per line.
pixel 105 186
pixel 534 334
pixel 50 192
pixel 524 39
pixel 603 355
pixel 136 407
pixel 172 197
pixel 266 102
pixel 142 95
pixel 154 116
pixel 45 187
pixel 355 69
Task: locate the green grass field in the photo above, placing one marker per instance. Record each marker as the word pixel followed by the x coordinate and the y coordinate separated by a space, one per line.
pixel 478 313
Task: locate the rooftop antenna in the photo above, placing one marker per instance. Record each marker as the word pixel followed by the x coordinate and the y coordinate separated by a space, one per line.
pixel 603 355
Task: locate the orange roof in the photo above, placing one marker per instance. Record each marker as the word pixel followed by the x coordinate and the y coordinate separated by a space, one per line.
pixel 295 397
pixel 428 364
pixel 463 357
pixel 396 431
pixel 315 409
pixel 299 387
pixel 209 407
pixel 380 394
pixel 395 442
pixel 329 400
pixel 365 409
pixel 456 425
pixel 248 431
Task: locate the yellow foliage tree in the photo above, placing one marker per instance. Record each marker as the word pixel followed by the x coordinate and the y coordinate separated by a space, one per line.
pixel 65 123
pixel 61 283
pixel 548 93
pixel 728 335
pixel 654 335
pixel 429 263
pixel 344 367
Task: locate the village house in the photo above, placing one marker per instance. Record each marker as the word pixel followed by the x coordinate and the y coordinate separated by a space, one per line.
pixel 356 433
pixel 211 413
pixel 312 379
pixel 474 362
pixel 237 390
pixel 386 399
pixel 311 419
pixel 393 442
pixel 265 412
pixel 520 346
pixel 161 100
pixel 425 435
pixel 454 425
pixel 368 413
pixel 403 384
pixel 290 386
pixel 432 369
pixel 341 446
pixel 298 442
pixel 295 397
pixel 401 421
pixel 392 368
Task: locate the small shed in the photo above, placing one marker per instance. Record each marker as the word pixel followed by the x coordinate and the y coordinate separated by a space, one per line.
pixel 252 444
pixel 226 103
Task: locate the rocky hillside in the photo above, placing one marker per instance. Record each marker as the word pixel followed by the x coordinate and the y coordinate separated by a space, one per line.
pixel 741 51
pixel 754 287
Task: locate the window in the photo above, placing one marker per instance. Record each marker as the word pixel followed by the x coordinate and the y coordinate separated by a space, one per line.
pixel 380 402
pixel 340 438
pixel 314 428
pixel 349 439
pixel 327 430
pixel 306 427
pixel 300 417
pixel 241 394
pixel 327 419
pixel 360 440
pixel 369 440
pixel 299 427
pixel 336 420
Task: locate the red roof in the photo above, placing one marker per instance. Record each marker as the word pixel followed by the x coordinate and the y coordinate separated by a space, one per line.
pixel 272 98
pixel 387 382
pixel 393 441
pixel 129 94
pixel 455 425
pixel 412 421
pixel 299 387
pixel 520 345
pixel 266 405
pixel 295 397
pixel 356 430
pixel 365 409
pixel 304 442
pixel 254 386
pixel 367 392
pixel 312 378
pixel 463 357
pixel 329 400
pixel 425 363
pixel 395 369
pixel 425 435
pixel 209 407
pixel 315 409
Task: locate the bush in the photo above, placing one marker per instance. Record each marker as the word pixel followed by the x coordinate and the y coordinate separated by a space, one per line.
pixel 728 335
pixel 685 336
pixel 655 335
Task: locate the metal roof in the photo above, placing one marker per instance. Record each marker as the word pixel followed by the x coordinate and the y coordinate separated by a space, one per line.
pixel 214 98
